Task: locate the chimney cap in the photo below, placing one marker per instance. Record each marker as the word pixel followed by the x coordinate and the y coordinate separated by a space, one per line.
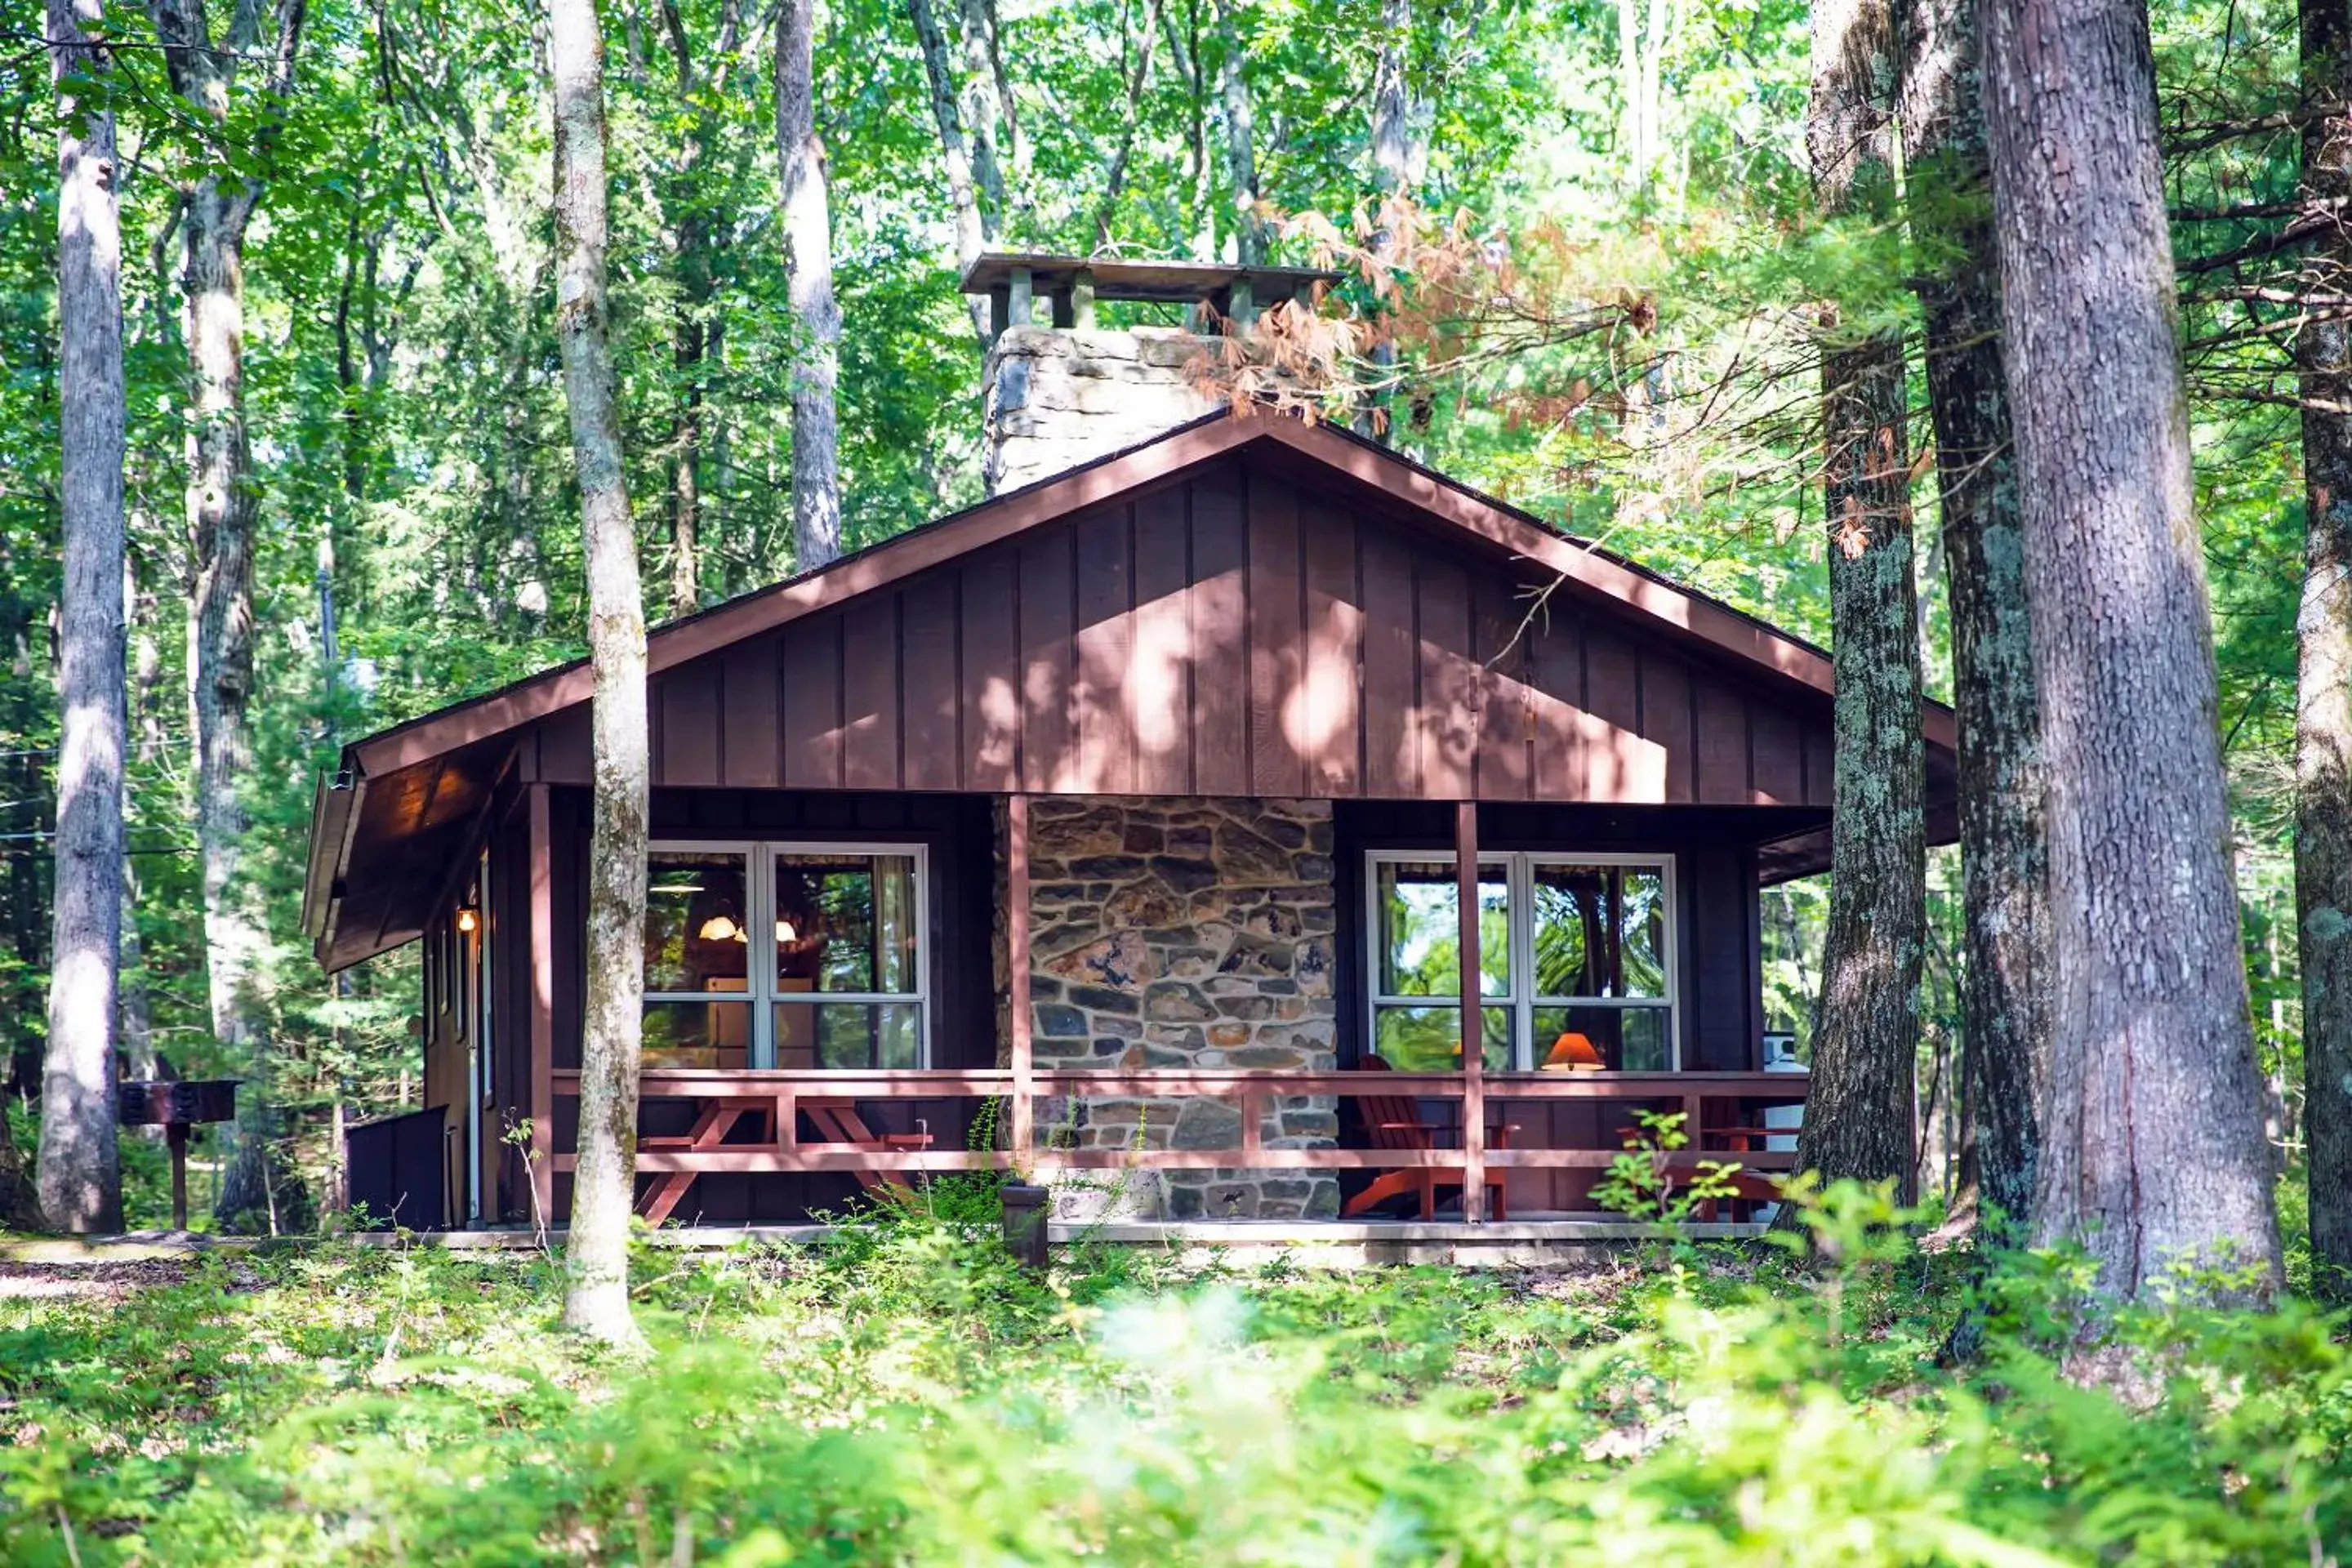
pixel 1167 282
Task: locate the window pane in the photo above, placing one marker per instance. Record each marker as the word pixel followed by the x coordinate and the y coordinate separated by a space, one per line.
pixel 698 1034
pixel 1641 970
pixel 1623 1039
pixel 695 935
pixel 1600 931
pixel 852 1034
pixel 1428 1039
pixel 846 922
pixel 1420 936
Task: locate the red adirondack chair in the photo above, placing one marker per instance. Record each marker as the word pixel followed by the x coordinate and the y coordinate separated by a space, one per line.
pixel 1394 1123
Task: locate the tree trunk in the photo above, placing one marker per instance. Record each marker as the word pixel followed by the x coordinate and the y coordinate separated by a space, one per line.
pixel 2152 1151
pixel 987 104
pixel 80 1176
pixel 686 462
pixel 1858 1118
pixel 808 287
pixel 604 1178
pixel 2004 980
pixel 222 507
pixel 975 227
pixel 2322 730
pixel 1241 137
pixel 1391 180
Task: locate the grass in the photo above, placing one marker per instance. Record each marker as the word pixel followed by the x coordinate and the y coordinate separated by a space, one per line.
pixel 908 1397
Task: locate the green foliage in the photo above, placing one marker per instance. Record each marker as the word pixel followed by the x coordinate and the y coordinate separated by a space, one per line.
pixel 907 1395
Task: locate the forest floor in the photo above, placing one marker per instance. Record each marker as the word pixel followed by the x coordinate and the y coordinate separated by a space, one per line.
pixel 907 1395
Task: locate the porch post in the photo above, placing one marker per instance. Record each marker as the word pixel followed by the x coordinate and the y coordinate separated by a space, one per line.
pixel 1016 986
pixel 1473 1056
pixel 542 1012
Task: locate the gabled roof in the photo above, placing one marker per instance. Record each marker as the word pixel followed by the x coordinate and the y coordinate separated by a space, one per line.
pixel 1775 653
pixel 443 768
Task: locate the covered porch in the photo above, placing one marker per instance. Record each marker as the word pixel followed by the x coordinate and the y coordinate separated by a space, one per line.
pixel 1468 1142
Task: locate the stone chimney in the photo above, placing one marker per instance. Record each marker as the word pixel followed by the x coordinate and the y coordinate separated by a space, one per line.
pixel 1062 391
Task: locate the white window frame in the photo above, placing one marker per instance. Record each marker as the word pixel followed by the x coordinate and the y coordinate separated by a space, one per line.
pixel 1521 1002
pixel 759 992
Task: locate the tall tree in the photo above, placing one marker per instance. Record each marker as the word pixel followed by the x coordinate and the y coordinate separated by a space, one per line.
pixel 696 334
pixel 2004 982
pixel 604 1173
pixel 216 204
pixel 1392 182
pixel 987 102
pixel 1866 1024
pixel 808 287
pixel 2323 732
pixel 975 221
pixel 1241 136
pixel 2152 1152
pixel 80 1176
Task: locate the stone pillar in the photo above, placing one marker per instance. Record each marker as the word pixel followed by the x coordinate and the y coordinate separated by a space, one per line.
pixel 1186 933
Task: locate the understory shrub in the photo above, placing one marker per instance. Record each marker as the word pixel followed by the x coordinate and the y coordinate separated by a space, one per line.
pixel 907 1395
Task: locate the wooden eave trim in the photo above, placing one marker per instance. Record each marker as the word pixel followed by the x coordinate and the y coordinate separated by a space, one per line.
pixel 330 914
pixel 317 876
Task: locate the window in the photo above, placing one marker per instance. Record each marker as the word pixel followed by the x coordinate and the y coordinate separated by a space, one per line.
pixel 1575 962
pixel 791 955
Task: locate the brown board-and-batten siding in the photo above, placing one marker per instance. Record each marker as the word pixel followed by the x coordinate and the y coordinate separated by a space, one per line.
pixel 1231 631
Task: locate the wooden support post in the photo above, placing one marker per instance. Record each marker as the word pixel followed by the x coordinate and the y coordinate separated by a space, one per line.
pixel 1000 312
pixel 542 1010
pixel 1244 301
pixel 1082 299
pixel 1252 1120
pixel 175 1136
pixel 1474 1055
pixel 1016 988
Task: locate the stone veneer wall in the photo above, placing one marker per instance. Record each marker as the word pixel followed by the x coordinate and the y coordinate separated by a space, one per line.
pixel 1186 933
pixel 1060 396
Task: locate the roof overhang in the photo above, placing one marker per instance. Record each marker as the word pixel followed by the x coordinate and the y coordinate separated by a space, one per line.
pixel 408 784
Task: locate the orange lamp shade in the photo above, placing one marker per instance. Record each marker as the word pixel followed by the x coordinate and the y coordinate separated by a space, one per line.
pixel 1573 1050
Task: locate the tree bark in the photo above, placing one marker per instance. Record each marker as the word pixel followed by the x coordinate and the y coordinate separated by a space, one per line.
pixel 2152 1152
pixel 2323 732
pixel 695 335
pixel 976 226
pixel 987 102
pixel 1391 180
pixel 1858 1117
pixel 808 287
pixel 604 1178
pixel 222 508
pixel 2004 982
pixel 1241 137
pixel 79 1175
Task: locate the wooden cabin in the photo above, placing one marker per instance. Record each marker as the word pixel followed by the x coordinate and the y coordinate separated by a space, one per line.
pixel 1120 829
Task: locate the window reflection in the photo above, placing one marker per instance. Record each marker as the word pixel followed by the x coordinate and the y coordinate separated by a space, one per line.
pixel 1600 931
pixel 845 924
pixel 696 913
pixel 1421 937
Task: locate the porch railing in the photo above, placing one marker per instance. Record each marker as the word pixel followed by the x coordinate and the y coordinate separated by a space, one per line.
pixel 1703 1097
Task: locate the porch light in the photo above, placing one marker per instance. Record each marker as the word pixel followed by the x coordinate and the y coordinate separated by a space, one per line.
pixel 469 920
pixel 786 932
pixel 719 927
